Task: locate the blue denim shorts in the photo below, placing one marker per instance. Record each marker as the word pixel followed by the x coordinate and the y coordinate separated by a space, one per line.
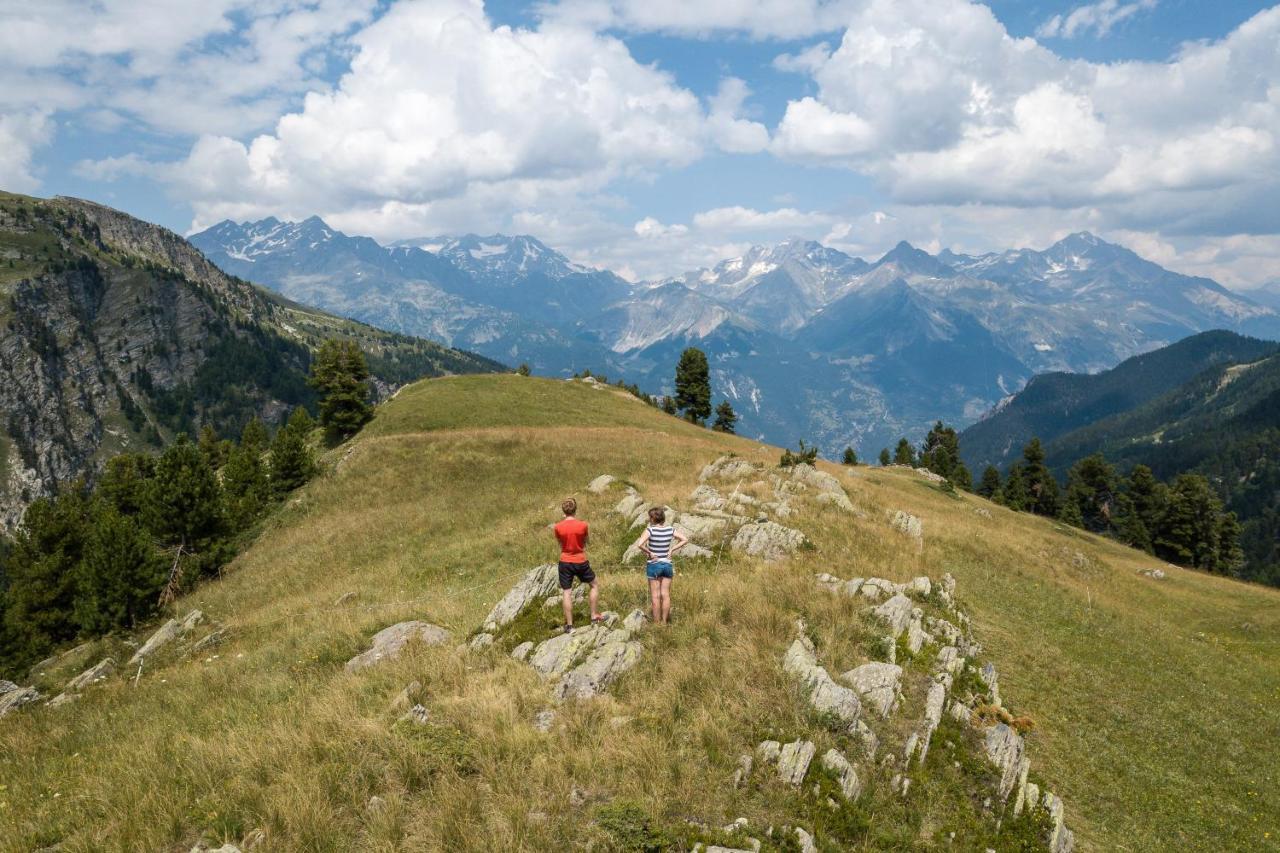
pixel 663 569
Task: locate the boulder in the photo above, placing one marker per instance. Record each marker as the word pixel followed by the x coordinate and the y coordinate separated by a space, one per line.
pixel 933 704
pixel 543 720
pixel 909 525
pixel 793 761
pixel 169 631
pixel 834 762
pixel 522 651
pixel 916 634
pixel 98 672
pixel 612 658
pixel 768 751
pixel 480 641
pixel 727 468
pixel 960 713
pixel 950 660
pixel 878 684
pixel 208 641
pixel 389 642
pixel 805 840
pixel 1154 574
pixel 537 583
pixel 702 528
pixel 744 770
pixel 896 613
pixel 767 540
pixel 601 484
pixel 556 656
pixel 629 506
pixel 635 621
pixel 704 497
pixel 825 696
pixel 991 678
pixel 1004 749
pixel 837 499
pixel 920 587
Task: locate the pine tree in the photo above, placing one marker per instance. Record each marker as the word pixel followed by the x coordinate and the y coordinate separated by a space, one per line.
pixel 849 457
pixel 726 418
pixel 990 485
pixel 904 454
pixel 693 385
pixel 120 574
pixel 1042 488
pixel 1130 528
pixel 1148 497
pixel 339 373
pixel 1092 488
pixel 1069 513
pixel 182 504
pixel 960 477
pixel 245 484
pixel 941 449
pixel 1014 493
pixel 124 481
pixel 1189 529
pixel 254 436
pixel 41 570
pixel 885 459
pixel 211 447
pixel 669 405
pixel 523 369
pixel 1230 554
pixel 292 462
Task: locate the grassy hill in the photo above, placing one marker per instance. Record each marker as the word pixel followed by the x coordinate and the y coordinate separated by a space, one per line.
pixel 1154 701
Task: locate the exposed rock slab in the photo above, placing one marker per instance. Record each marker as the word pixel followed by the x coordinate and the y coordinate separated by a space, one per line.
pixel 834 761
pixel 13 697
pixel 538 583
pixel 612 658
pixel 879 685
pixel 601 484
pixel 909 525
pixel 168 632
pixel 793 761
pixel 896 613
pixel 824 694
pixel 389 642
pixel 767 540
pixel 100 671
pixel 727 468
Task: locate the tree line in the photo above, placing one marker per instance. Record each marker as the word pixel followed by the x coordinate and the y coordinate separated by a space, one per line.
pixel 95 559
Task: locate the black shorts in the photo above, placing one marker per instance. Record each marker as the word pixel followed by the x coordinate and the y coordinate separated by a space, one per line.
pixel 581 571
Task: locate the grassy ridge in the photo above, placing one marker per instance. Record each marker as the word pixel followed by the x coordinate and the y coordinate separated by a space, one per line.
pixel 1154 700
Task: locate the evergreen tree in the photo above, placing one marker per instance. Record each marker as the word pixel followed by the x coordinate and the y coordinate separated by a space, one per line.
pixel 849 457
pixel 523 369
pixel 124 480
pixel 1230 552
pixel 1130 528
pixel 254 436
pixel 1069 513
pixel 1038 480
pixel 212 448
pixel 41 574
pixel 245 484
pixel 182 504
pixel 292 462
pixel 884 457
pixel 340 374
pixel 1014 494
pixel 693 385
pixel 726 418
pixel 1189 532
pixel 990 485
pixel 120 574
pixel 904 454
pixel 960 477
pixel 1092 488
pixel 941 449
pixel 1148 497
pixel 669 405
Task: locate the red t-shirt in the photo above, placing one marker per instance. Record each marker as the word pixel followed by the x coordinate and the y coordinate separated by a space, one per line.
pixel 572 534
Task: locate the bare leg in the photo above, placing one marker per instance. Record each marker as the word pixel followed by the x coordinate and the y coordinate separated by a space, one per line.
pixel 567 602
pixel 666 600
pixel 594 597
pixel 655 601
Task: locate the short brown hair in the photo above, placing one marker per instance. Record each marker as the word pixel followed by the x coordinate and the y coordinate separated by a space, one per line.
pixel 657 515
pixel 569 507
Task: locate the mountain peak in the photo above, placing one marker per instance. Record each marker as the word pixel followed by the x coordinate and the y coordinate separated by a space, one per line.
pixel 907 258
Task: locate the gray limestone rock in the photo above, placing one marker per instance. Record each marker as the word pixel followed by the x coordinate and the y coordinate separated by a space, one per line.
pixel 63 699
pixel 727 468
pixel 416 716
pixel 1004 749
pixel 537 583
pixel 631 504
pixel 100 671
pixel 991 678
pixel 704 497
pixel 389 642
pixel 878 684
pixel 600 484
pixel 556 656
pixel 825 695
pixel 917 636
pixel 168 632
pixel 480 641
pixel 767 540
pixel 768 751
pixel 208 641
pixel 743 772
pixel 543 720
pixel 635 621
pixel 950 660
pixel 612 658
pixel 920 587
pixel 896 613
pixel 805 840
pixel 909 525
pixel 522 651
pixel 793 761
pixel 834 761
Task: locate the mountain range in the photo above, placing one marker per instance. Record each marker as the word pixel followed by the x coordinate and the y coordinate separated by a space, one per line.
pixel 118 334
pixel 1209 404
pixel 885 346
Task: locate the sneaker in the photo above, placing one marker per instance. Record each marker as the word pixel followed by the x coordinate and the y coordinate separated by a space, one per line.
pixel 567 629
pixel 597 619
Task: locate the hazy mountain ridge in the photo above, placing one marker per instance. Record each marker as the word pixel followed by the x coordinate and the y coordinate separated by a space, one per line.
pixel 911 336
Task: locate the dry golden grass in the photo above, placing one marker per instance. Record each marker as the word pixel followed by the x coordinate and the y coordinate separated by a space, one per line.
pixel 1154 702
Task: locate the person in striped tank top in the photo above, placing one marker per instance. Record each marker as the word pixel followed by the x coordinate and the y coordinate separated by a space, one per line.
pixel 659 542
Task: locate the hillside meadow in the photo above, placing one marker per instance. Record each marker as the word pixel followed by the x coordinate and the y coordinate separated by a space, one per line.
pixel 1154 702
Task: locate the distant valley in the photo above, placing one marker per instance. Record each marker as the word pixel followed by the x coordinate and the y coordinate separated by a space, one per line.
pixel 884 347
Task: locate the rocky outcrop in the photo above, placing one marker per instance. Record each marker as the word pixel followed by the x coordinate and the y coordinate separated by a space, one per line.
pixel 13 697
pixel 583 664
pixel 793 761
pixel 535 585
pixel 727 468
pixel 823 693
pixel 909 525
pixel 879 685
pixel 168 632
pixel 846 775
pixel 601 484
pixel 388 643
pixel 768 540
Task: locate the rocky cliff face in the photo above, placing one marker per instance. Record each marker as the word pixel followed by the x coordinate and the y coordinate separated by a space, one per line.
pixel 117 334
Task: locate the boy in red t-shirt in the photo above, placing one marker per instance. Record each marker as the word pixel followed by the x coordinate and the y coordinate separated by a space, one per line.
pixel 573 534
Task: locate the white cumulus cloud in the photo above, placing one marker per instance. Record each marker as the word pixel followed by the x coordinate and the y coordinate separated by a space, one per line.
pixel 1099 18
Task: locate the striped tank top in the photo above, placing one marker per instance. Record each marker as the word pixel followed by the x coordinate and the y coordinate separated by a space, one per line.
pixel 660 543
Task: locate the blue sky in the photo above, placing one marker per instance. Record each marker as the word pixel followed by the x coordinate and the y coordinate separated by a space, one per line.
pixel 653 136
